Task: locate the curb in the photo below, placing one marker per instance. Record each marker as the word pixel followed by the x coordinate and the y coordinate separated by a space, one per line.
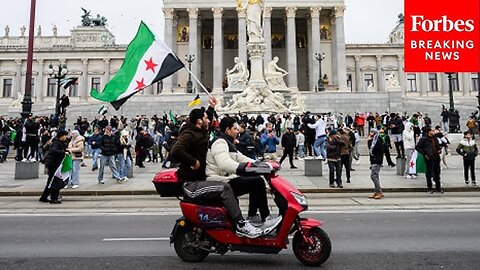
pixel 304 190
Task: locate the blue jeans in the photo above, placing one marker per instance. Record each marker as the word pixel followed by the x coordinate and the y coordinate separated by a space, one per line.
pixel 95 153
pixel 111 164
pixel 75 173
pixel 124 164
pixel 301 151
pixel 319 147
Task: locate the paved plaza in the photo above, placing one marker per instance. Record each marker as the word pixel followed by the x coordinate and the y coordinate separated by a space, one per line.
pixel 140 184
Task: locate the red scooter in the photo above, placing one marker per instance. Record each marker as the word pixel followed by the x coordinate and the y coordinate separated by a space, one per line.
pixel 206 228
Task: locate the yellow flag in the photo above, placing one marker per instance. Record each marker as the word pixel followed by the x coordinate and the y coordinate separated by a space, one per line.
pixel 195 102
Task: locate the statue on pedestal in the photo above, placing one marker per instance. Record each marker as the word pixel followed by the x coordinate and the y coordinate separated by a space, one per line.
pixel 22 31
pixel 7 30
pixel 237 77
pixel 370 87
pixel 55 30
pixel 17 103
pixel 254 20
pixel 274 75
pixel 39 31
pixel 392 81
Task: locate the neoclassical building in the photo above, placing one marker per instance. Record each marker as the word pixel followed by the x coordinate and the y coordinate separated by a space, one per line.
pixel 215 32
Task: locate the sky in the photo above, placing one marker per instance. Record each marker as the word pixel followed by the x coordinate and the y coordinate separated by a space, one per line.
pixel 366 21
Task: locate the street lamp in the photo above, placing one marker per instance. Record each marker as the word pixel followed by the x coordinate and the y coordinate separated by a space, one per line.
pixel 190 58
pixel 320 57
pixel 58 74
pixel 453 116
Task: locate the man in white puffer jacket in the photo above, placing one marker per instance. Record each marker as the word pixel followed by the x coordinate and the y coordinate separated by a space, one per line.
pixel 225 163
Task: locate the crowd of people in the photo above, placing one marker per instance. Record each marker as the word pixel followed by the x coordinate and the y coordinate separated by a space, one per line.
pixel 120 142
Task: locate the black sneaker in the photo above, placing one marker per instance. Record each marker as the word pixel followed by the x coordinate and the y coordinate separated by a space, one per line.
pixel 430 191
pixel 293 167
pixel 440 191
pixel 44 200
pixel 55 202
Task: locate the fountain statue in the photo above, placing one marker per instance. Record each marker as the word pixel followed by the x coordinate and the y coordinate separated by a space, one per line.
pixel 256 93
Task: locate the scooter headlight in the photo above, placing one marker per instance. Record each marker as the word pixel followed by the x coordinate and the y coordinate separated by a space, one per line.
pixel 301 199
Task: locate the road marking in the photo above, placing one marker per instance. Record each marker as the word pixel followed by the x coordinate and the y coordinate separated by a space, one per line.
pixel 135 239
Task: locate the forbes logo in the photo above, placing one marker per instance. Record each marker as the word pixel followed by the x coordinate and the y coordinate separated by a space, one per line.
pixel 441 25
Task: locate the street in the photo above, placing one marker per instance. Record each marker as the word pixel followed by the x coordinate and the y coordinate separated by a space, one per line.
pixel 367 239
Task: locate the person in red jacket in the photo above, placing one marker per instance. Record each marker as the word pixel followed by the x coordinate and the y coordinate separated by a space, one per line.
pixel 360 123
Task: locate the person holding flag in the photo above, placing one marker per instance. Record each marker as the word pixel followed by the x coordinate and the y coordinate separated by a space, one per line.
pixel 53 159
pixel 430 148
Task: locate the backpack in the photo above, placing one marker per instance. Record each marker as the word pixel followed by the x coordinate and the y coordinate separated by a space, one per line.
pixel 471 123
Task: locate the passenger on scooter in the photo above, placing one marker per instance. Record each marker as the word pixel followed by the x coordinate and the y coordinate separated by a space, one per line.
pixel 225 163
pixel 190 151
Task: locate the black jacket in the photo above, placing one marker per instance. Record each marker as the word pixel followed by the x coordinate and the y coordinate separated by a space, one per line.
pixel 289 141
pixel 108 145
pixel 244 142
pixel 429 147
pixel 55 154
pixel 192 145
pixel 376 155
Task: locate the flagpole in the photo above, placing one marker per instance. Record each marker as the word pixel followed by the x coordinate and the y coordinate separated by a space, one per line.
pixel 196 79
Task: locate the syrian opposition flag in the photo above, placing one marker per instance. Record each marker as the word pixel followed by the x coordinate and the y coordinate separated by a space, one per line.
pixel 62 174
pixel 147 61
pixel 67 82
pixel 416 163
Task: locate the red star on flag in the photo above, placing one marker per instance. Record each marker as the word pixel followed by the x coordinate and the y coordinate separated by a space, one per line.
pixel 140 84
pixel 412 164
pixel 150 65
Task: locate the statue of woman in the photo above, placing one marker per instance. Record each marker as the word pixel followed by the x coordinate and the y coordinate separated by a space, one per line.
pixel 254 20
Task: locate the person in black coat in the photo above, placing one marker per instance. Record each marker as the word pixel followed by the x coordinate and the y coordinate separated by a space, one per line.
pixel 245 144
pixel 53 159
pixel 430 148
pixel 376 151
pixel 288 144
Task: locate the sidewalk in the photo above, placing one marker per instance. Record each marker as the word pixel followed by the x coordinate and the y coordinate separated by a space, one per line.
pixel 140 184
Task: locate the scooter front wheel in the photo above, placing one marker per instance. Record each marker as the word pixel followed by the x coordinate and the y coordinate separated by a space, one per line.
pixel 313 254
pixel 187 246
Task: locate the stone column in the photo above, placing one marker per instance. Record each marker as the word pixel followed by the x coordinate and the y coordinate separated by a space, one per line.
pixel 315 35
pixel 423 83
pixel 39 82
pixel 340 47
pixel 311 57
pixel 467 83
pixel 380 80
pixel 443 84
pixel 218 72
pixel 17 85
pixel 84 93
pixel 358 75
pixel 334 52
pixel 169 14
pixel 292 48
pixel 106 67
pixel 267 33
pixel 193 41
pixel 242 35
pixel 401 74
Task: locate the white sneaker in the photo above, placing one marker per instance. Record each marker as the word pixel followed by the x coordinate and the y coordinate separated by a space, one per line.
pixel 247 230
pixel 414 176
pixel 255 220
pixel 408 176
pixel 270 224
pixel 357 161
pixel 24 160
pixel 75 186
pixel 125 179
pixel 33 160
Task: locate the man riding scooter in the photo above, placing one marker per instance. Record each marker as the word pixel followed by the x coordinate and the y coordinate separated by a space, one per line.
pixel 225 163
pixel 190 151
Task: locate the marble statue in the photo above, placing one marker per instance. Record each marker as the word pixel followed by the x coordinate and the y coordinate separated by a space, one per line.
pixel 39 31
pixel 22 30
pixel 7 31
pixel 237 77
pixel 254 20
pixel 370 87
pixel 274 75
pixel 55 30
pixel 297 104
pixel 392 81
pixel 17 103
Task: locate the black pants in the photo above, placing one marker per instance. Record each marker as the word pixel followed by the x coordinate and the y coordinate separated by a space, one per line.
pixel 345 161
pixel 400 149
pixel 335 167
pixel 309 141
pixel 140 158
pixel 386 151
pixel 54 193
pixel 216 191
pixel 254 186
pixel 469 164
pixel 433 172
pixel 288 152
pixel 30 144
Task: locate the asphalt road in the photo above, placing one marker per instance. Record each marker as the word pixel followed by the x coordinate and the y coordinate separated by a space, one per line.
pixel 369 240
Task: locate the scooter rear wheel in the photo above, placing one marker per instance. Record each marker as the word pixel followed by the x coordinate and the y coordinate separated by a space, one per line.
pixel 185 246
pixel 312 255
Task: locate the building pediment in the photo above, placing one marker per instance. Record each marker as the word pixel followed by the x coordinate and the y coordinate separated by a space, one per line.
pixel 350 68
pixel 33 73
pixel 7 73
pixel 96 72
pixel 368 68
pixel 390 68
pixel 75 72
